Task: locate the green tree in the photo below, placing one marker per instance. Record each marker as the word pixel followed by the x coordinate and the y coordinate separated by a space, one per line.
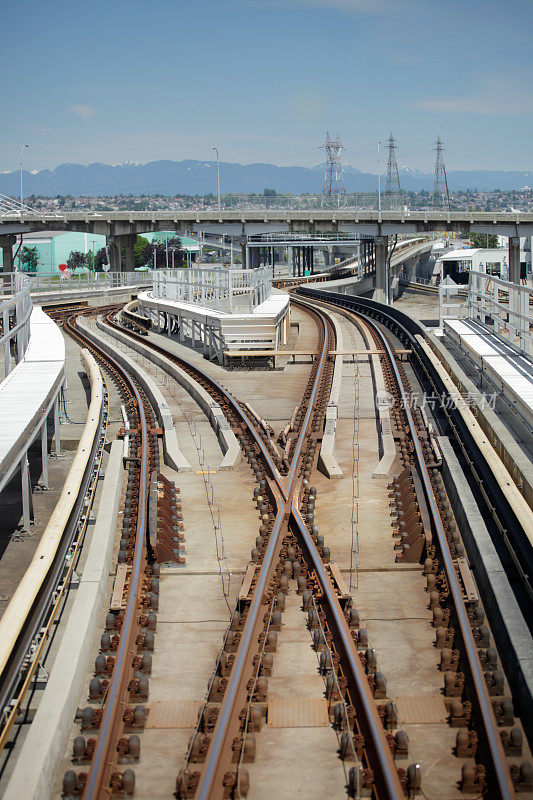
pixel 160 248
pixel 89 255
pixel 270 193
pixel 76 260
pixel 100 258
pixel 29 258
pixel 484 240
pixel 143 251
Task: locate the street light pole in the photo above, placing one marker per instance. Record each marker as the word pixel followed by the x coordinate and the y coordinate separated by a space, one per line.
pixel 379 180
pixel 218 176
pixel 21 151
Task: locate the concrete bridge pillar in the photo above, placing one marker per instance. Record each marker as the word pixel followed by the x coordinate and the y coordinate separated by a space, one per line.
pixel 113 252
pixel 380 292
pixel 127 241
pixel 254 257
pixel 514 259
pixel 7 243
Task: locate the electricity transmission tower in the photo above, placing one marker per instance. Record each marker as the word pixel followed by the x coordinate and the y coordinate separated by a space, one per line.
pixel 333 182
pixel 393 191
pixel 440 182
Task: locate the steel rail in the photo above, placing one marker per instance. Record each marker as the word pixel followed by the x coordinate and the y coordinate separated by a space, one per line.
pixel 386 777
pixel 101 761
pixel 215 386
pixel 498 761
pixel 380 760
pixel 501 770
pixel 49 597
pixel 207 779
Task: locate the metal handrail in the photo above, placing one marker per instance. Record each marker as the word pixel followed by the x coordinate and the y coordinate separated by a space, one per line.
pixel 16 314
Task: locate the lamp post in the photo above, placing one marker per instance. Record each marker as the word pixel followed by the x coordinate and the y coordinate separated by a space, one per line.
pixel 218 176
pixel 21 152
pixel 379 180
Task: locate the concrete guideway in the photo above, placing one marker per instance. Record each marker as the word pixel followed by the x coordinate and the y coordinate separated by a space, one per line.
pixel 517 655
pixel 27 396
pixel 227 440
pixel 35 772
pixel 26 624
pixel 173 454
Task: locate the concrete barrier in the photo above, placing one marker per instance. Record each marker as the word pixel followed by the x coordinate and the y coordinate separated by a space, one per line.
pixel 174 458
pixel 514 641
pixel 35 771
pixel 488 445
pixel 228 441
pixel 510 453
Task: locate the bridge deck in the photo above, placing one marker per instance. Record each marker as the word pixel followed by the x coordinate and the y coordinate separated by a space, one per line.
pixel 28 392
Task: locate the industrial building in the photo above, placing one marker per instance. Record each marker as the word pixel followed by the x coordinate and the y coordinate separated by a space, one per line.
pixel 54 248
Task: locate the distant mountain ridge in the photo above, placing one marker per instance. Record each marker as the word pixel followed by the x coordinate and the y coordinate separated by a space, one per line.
pixel 200 177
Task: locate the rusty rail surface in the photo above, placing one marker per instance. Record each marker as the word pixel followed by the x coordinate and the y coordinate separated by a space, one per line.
pixel 102 777
pixel 499 783
pixel 218 771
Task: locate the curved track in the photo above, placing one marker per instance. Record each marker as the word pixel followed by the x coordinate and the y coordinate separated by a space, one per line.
pixel 284 492
pixel 499 779
pixel 102 774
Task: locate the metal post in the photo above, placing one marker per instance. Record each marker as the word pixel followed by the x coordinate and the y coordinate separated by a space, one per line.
pixel 57 434
pixel 44 451
pixel 218 176
pixel 27 505
pixel 514 259
pixel 7 346
pixel 21 203
pixel 379 180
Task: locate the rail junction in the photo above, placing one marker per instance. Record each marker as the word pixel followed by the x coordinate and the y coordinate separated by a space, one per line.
pixel 301 578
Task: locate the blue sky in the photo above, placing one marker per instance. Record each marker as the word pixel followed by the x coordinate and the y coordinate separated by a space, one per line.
pixel 264 79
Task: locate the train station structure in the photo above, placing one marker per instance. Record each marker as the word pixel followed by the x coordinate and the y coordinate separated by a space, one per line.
pixel 290 524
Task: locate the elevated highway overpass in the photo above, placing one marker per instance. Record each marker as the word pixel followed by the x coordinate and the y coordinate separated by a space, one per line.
pixel 121 227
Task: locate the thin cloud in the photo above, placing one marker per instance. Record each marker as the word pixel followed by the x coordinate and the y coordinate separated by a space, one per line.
pixel 347 6
pixel 488 106
pixel 82 111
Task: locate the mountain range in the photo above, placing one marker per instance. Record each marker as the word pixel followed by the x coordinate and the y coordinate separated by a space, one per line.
pixel 200 178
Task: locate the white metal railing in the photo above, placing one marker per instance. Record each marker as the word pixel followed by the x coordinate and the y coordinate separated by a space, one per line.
pixel 213 288
pixel 15 313
pixel 7 282
pixel 88 280
pixel 503 308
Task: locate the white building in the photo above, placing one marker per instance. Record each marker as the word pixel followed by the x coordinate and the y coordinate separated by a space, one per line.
pixel 456 263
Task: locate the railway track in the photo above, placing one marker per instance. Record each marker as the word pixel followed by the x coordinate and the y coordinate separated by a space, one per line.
pixel 454 611
pixel 225 733
pixel 289 554
pixel 28 624
pixel 120 670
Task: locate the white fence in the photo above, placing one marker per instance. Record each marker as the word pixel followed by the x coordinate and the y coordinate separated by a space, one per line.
pixel 502 307
pixel 88 280
pixel 15 314
pixel 213 288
